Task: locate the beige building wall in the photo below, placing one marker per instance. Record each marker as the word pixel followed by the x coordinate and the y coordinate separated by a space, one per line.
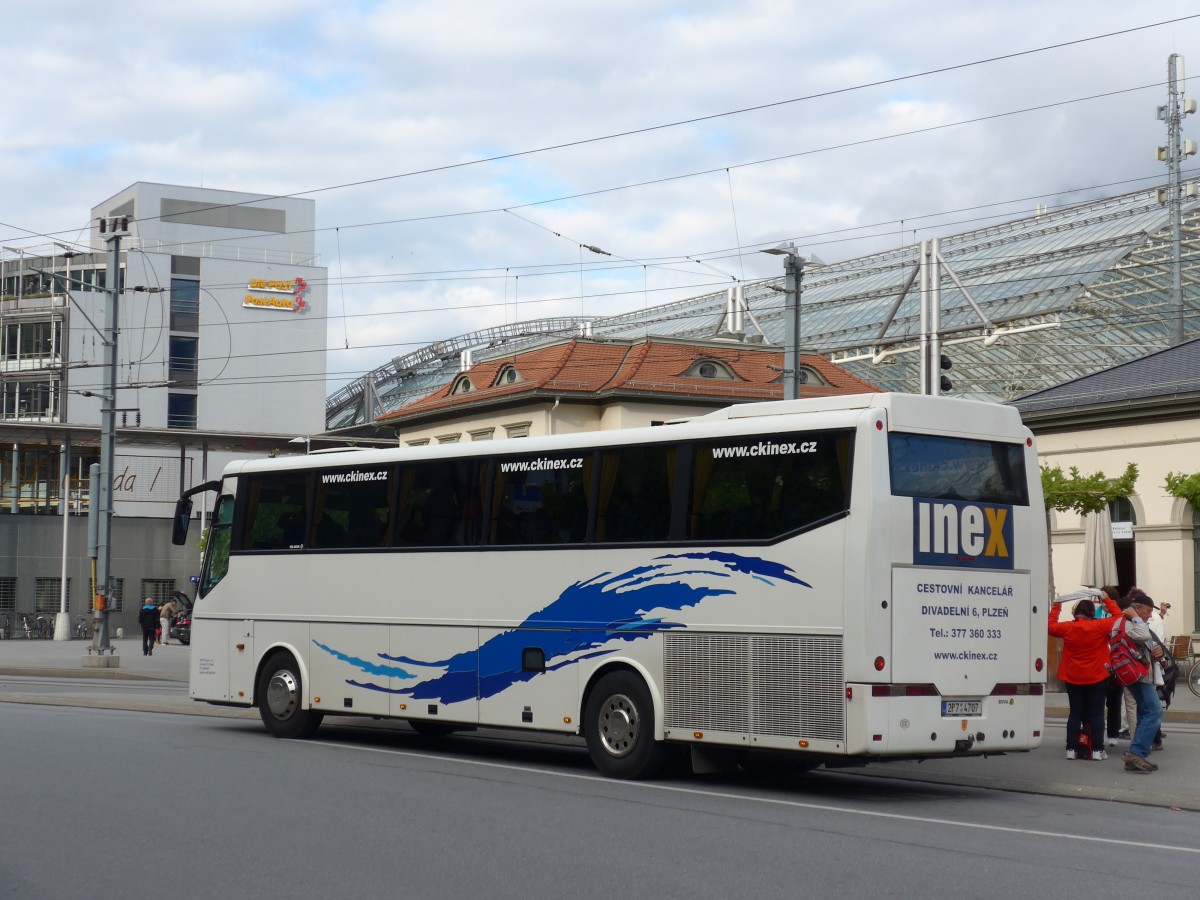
pixel 546 417
pixel 1164 547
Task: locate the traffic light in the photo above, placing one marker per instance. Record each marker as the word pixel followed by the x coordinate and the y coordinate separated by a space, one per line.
pixel 944 383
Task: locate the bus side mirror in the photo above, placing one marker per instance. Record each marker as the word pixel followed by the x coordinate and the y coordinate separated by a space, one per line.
pixel 183 518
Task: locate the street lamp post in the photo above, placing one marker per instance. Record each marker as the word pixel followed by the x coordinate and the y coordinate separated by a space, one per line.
pixel 793 270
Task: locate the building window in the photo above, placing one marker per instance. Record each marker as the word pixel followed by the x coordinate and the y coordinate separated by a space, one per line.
pixel 116 593
pixel 47 594
pixel 8 593
pixel 419 442
pixel 711 368
pixel 29 400
pixel 811 376
pixel 449 438
pixel 182 363
pixel 32 342
pixel 181 410
pixel 185 304
pixel 158 589
pixel 508 375
pixel 517 429
pixel 482 434
pixel 462 386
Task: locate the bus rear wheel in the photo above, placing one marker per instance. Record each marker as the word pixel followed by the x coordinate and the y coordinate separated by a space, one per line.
pixel 619 728
pixel 280 694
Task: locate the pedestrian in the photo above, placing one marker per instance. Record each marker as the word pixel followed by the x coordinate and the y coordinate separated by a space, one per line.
pixel 1149 710
pixel 148 619
pixel 166 613
pixel 1163 677
pixel 1114 696
pixel 1083 667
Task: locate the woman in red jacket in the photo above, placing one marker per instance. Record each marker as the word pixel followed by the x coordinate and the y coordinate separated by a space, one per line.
pixel 1083 667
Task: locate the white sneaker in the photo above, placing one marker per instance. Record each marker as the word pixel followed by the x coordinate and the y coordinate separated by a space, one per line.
pixel 1112 742
pixel 1099 754
pixel 1070 754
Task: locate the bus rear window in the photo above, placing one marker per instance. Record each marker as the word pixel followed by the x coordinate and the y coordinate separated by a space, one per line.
pixel 949 468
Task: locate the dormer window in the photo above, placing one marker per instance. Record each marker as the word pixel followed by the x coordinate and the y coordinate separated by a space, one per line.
pixel 807 376
pixel 711 368
pixel 508 375
pixel 462 386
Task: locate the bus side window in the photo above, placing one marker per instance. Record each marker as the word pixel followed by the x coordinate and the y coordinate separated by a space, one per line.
pixel 439 504
pixel 636 490
pixel 756 488
pixel 276 511
pixel 351 510
pixel 540 500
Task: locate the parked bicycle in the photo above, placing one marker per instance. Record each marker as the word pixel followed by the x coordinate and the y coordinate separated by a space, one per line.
pixel 27 626
pixel 83 628
pixel 1193 678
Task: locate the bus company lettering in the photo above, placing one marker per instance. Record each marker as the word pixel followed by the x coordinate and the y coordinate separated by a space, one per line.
pixel 762 448
pixel 962 533
pixel 542 465
pixel 351 477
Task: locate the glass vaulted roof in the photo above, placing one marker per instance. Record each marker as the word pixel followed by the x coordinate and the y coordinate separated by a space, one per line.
pixel 1025 305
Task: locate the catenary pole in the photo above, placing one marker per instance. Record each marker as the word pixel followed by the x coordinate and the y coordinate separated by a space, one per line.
pixel 111 231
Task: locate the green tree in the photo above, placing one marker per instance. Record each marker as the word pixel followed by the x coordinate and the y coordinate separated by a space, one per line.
pixel 1185 487
pixel 1082 493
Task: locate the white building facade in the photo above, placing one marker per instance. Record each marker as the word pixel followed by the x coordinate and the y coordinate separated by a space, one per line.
pixel 220 355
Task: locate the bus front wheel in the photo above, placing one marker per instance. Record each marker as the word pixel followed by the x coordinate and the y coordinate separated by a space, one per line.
pixel 619 723
pixel 280 693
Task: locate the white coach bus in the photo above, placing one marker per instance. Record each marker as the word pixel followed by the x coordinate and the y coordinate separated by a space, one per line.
pixel 850 579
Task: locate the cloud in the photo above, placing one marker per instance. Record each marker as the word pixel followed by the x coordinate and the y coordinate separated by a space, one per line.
pixel 303 96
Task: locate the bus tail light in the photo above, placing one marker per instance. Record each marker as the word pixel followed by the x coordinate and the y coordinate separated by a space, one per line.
pixel 920 690
pixel 1004 690
pixel 849 693
pixel 1036 690
pixel 1037 665
pixel 880 662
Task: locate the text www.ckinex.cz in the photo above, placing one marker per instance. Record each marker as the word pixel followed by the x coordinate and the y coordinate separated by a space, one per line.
pixel 541 465
pixel 764 449
pixel 351 477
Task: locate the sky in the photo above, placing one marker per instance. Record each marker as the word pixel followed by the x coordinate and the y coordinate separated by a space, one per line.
pixel 464 156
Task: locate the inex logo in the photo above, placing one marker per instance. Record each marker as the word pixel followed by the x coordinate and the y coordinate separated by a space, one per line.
pixel 958 533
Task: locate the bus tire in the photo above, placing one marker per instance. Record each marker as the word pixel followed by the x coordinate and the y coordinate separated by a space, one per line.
pixel 280 693
pixel 619 728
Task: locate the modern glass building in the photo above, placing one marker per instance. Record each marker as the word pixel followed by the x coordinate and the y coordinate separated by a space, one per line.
pixel 1025 304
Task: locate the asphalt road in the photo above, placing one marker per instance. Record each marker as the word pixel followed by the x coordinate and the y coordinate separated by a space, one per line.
pixel 167 805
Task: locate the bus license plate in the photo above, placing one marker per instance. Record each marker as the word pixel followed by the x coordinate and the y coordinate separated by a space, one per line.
pixel 962 707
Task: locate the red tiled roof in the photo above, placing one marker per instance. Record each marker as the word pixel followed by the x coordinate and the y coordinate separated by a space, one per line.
pixel 652 367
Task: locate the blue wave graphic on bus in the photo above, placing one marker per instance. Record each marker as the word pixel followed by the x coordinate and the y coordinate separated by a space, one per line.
pixel 586 618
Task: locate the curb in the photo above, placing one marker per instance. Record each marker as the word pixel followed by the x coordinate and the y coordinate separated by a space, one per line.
pixel 81 672
pixel 1181 715
pixel 1137 795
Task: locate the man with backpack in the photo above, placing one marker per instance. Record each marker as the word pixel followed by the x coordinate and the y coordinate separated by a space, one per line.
pixel 1134 625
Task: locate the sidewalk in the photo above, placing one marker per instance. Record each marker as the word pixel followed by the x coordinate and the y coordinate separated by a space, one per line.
pixel 64 659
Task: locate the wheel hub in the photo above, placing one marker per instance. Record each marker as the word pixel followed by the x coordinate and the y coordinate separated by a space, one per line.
pixel 282 694
pixel 618 725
